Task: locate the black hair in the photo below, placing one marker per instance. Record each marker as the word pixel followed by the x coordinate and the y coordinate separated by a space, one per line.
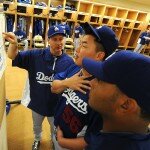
pixel 145 115
pixel 99 47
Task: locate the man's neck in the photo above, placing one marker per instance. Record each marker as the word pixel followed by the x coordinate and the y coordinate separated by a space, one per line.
pixel 85 73
pixel 63 23
pixel 130 126
pixel 56 54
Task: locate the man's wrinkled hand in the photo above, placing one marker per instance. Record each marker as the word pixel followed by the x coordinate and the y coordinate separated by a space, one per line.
pixel 10 37
pixel 78 83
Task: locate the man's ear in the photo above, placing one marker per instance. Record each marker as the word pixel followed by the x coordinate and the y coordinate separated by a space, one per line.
pixel 100 56
pixel 129 105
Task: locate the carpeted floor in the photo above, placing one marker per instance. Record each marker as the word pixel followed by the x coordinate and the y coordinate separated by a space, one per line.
pixel 19 121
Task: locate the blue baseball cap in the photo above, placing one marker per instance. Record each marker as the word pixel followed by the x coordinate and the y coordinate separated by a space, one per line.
pixel 128 70
pixel 104 35
pixel 54 30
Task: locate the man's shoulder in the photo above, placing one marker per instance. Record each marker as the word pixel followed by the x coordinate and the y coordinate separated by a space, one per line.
pixel 117 140
pixel 67 57
pixel 30 53
pixel 72 70
pixel 144 33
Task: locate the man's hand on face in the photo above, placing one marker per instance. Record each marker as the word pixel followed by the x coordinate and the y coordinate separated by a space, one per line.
pixel 78 83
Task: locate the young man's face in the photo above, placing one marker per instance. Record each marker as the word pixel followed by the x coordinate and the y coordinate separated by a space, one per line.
pixel 77 25
pixel 103 97
pixel 87 49
pixel 56 44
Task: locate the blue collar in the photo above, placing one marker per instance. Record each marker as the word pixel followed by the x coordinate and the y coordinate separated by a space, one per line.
pixel 48 55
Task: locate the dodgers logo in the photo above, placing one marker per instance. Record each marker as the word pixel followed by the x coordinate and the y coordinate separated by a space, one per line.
pixel 19 36
pixel 76 31
pixel 56 29
pixel 75 101
pixel 43 79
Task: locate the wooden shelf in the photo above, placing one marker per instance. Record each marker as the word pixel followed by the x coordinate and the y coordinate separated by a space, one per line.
pixel 136 25
pixel 126 23
pixel 107 21
pixel 95 19
pixel 121 47
pixel 110 11
pixel 70 16
pixel 9 7
pixel 57 3
pixel 118 22
pixel 56 14
pixel 134 37
pixel 74 5
pixel 125 36
pixel 85 7
pixel 121 13
pixel 24 5
pixel 132 15
pixel 82 17
pixel 38 1
pixel 129 23
pixel 148 26
pixel 25 9
pixel 117 31
pixel 10 12
pixel 141 16
pixel 146 50
pixel 98 9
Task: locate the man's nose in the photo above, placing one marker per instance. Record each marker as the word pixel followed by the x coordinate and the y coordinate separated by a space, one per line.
pixel 59 42
pixel 78 49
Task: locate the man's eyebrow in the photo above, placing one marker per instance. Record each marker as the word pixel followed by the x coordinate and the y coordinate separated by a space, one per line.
pixel 84 42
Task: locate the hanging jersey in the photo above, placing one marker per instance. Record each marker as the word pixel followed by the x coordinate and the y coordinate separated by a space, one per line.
pixel 117 141
pixel 66 29
pixel 143 41
pixel 38 28
pixel 22 22
pixel 73 112
pixel 41 67
pixel 10 23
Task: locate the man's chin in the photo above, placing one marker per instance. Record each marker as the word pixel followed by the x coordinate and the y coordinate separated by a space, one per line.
pixel 58 52
pixel 77 62
pixel 89 102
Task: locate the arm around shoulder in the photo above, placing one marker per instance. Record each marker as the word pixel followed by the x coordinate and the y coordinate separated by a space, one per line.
pixel 78 143
pixel 73 144
pixel 59 86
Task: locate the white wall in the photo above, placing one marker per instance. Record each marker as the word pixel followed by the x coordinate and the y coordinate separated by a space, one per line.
pixel 126 4
pixel 3 138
